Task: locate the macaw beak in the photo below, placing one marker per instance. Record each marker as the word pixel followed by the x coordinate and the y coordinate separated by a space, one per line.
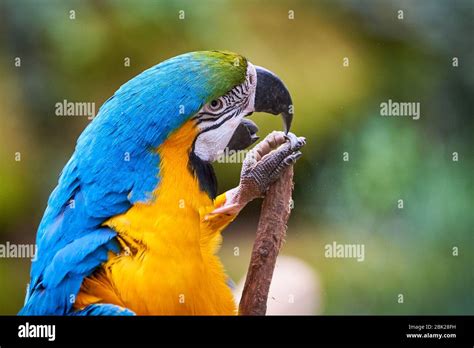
pixel 273 97
pixel 244 136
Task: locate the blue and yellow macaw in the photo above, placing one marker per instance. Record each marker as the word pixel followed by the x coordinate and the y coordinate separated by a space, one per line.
pixel 134 222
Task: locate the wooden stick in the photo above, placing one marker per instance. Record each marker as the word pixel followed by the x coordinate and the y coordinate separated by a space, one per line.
pixel 270 234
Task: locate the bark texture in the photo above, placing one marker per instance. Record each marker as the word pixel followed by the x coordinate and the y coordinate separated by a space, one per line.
pixel 271 232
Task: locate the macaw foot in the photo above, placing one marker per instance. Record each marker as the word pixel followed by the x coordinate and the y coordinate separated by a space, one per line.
pixel 262 166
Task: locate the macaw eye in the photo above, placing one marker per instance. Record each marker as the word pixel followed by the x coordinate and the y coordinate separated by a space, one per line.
pixel 215 105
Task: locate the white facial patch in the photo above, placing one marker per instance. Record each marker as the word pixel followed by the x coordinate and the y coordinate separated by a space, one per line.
pixel 218 120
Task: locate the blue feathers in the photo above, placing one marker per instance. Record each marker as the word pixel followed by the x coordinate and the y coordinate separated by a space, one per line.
pixel 104 309
pixel 78 257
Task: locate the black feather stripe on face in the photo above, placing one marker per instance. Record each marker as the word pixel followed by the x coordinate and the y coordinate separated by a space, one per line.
pixel 205 174
pixel 221 121
pixel 235 99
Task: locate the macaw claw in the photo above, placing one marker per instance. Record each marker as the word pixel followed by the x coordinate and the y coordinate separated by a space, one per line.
pixel 264 164
pixel 295 142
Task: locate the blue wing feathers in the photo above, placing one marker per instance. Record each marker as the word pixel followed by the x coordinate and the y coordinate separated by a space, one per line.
pixel 76 256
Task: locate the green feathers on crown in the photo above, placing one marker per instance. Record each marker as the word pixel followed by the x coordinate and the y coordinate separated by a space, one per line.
pixel 227 70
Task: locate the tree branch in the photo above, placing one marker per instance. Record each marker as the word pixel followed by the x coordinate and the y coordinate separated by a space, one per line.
pixel 270 234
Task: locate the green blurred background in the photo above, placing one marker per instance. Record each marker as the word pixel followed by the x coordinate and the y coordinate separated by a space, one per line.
pixel 408 251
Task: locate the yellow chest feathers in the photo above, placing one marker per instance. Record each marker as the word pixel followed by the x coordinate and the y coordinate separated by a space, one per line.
pixel 168 265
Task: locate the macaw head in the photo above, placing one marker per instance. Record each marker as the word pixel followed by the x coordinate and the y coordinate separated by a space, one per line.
pixel 237 89
pixel 214 89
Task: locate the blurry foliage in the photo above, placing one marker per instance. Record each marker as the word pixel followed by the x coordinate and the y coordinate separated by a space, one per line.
pixel 407 250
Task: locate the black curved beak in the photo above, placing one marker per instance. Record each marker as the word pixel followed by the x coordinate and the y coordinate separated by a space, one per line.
pixel 273 97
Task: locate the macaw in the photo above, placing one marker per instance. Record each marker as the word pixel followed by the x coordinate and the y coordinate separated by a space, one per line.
pixel 133 226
